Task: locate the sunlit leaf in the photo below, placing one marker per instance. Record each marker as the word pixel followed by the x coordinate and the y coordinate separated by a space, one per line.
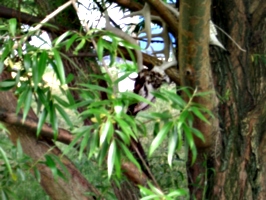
pixel 62 37
pixel 59 67
pixel 12 26
pixel 111 158
pixel 173 136
pixel 7 50
pixel 105 129
pixel 125 75
pixel 178 192
pixel 160 137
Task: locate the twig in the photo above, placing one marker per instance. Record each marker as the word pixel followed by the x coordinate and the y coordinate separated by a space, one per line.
pixel 50 16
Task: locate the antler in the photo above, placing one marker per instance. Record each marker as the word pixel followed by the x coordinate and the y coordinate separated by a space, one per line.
pixel 126 37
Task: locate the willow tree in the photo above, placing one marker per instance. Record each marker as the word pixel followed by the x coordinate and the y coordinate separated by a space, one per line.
pixel 225 80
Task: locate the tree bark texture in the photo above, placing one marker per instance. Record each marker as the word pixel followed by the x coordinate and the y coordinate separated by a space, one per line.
pixel 240 85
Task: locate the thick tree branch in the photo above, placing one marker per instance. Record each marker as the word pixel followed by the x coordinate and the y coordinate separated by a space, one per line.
pixel 64 136
pixel 30 20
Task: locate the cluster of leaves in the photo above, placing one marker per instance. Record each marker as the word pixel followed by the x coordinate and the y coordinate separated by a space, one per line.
pixel 112 128
pixel 109 136
pixel 13 164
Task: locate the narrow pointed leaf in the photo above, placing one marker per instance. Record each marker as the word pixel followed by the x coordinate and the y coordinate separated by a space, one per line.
pixel 111 158
pixel 160 137
pixel 42 118
pixel 171 146
pixel 59 67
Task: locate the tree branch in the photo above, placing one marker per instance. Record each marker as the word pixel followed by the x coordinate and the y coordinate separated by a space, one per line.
pixel 64 136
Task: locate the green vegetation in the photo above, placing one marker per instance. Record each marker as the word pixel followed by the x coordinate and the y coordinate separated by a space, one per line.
pixel 98 150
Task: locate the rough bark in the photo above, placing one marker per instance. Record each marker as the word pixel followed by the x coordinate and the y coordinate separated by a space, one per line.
pixel 240 83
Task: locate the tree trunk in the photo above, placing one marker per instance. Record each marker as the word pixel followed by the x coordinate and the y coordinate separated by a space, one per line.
pixel 239 79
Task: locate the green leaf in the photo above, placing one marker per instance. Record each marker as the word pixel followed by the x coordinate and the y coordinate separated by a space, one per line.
pixel 52 165
pixel 71 41
pixel 1 66
pixel 8 48
pixel 59 67
pixel 125 128
pixel 172 146
pixel 35 72
pixel 80 45
pixel 61 101
pixel 183 116
pixel 42 64
pixel 61 38
pixel 27 105
pixel 111 158
pixel 42 118
pixel 132 95
pixel 100 49
pixel 106 128
pixel 190 141
pixel 97 88
pixel 4 196
pixel 199 114
pixel 160 137
pixel 83 144
pixel 124 137
pixel 53 119
pixel 198 134
pixel 7 84
pixel 12 26
pixel 4 156
pixel 128 154
pixel 160 95
pixel 43 97
pixel 125 75
pixel 64 115
pixel 74 141
pixel 94 143
pixel 178 192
